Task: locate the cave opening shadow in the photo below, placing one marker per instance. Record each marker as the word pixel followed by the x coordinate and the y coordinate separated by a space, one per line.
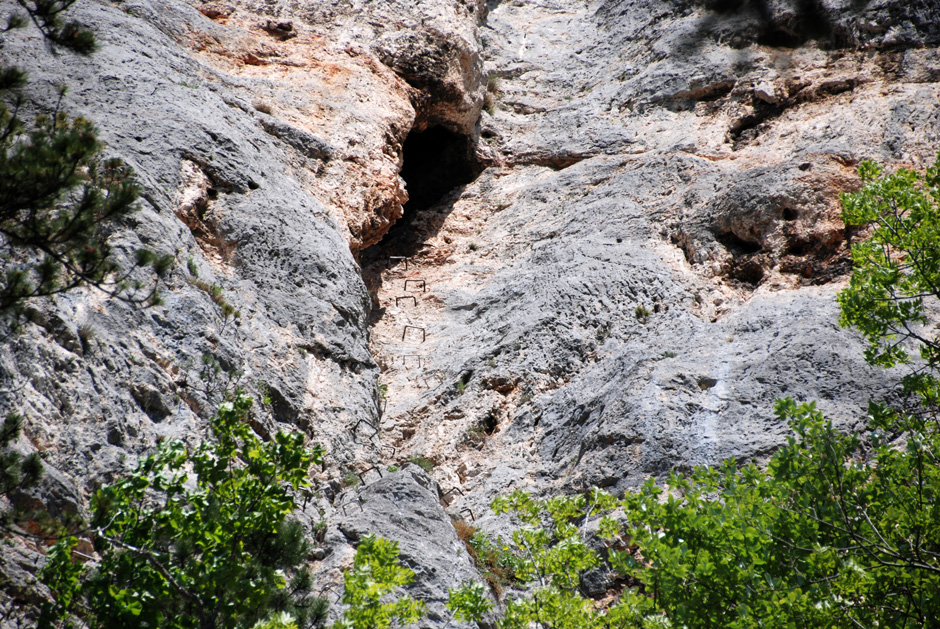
pixel 435 163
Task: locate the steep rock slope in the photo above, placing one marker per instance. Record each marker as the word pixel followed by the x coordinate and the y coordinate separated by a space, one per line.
pixel 268 154
pixel 653 255
pixel 610 272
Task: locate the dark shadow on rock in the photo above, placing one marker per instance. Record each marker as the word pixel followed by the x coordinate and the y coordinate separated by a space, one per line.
pixel 790 24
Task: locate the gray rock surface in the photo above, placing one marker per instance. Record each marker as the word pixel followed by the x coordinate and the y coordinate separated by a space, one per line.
pixel 240 192
pixel 635 167
pixel 279 258
pixel 648 261
pixel 405 506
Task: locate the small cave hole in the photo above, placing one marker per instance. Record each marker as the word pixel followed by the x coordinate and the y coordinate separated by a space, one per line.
pixel 706 382
pixel 748 271
pixel 797 247
pixel 465 377
pixel 490 423
pixel 737 245
pixel 434 162
pixel 809 23
pixel 789 214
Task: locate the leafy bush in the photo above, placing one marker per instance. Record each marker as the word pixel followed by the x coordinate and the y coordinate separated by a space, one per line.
pixel 201 537
pixel 895 282
pixel 422 461
pixel 493 558
pixel 822 537
pixel 375 573
pixel 468 602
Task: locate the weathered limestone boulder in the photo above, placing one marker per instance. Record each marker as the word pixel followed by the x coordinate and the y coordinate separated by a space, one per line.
pixel 404 506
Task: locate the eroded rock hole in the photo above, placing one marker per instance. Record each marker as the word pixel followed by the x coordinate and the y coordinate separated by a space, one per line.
pixel 434 162
pixel 490 423
pixel 466 377
pixel 736 245
pixel 746 264
pixel 747 270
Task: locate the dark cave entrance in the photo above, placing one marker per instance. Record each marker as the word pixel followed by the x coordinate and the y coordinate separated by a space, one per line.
pixel 434 162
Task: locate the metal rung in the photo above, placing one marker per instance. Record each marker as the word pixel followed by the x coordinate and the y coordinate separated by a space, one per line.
pixel 404 358
pixel 388 263
pixel 424 333
pixel 368 423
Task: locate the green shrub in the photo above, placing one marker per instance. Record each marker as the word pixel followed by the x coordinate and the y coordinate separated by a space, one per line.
pixel 494 559
pixel 200 537
pixel 422 461
pixel 468 602
pixel 375 573
pixel 216 294
pixel 351 479
pixel 895 284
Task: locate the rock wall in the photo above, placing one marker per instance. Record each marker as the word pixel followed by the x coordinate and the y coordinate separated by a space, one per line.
pixel 646 258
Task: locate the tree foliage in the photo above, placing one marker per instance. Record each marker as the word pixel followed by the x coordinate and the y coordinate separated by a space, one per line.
pixel 47 16
pixel 58 195
pixel 201 538
pixel 836 531
pixel 375 573
pixel 17 472
pixel 893 297
pixel 469 602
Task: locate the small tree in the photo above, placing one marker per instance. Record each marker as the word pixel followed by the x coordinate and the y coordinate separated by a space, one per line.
pixel 58 196
pixel 199 539
pixel 374 575
pixel 893 297
pixel 553 552
pixel 16 471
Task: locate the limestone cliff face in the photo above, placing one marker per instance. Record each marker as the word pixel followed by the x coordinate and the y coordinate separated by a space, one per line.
pixel 622 241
